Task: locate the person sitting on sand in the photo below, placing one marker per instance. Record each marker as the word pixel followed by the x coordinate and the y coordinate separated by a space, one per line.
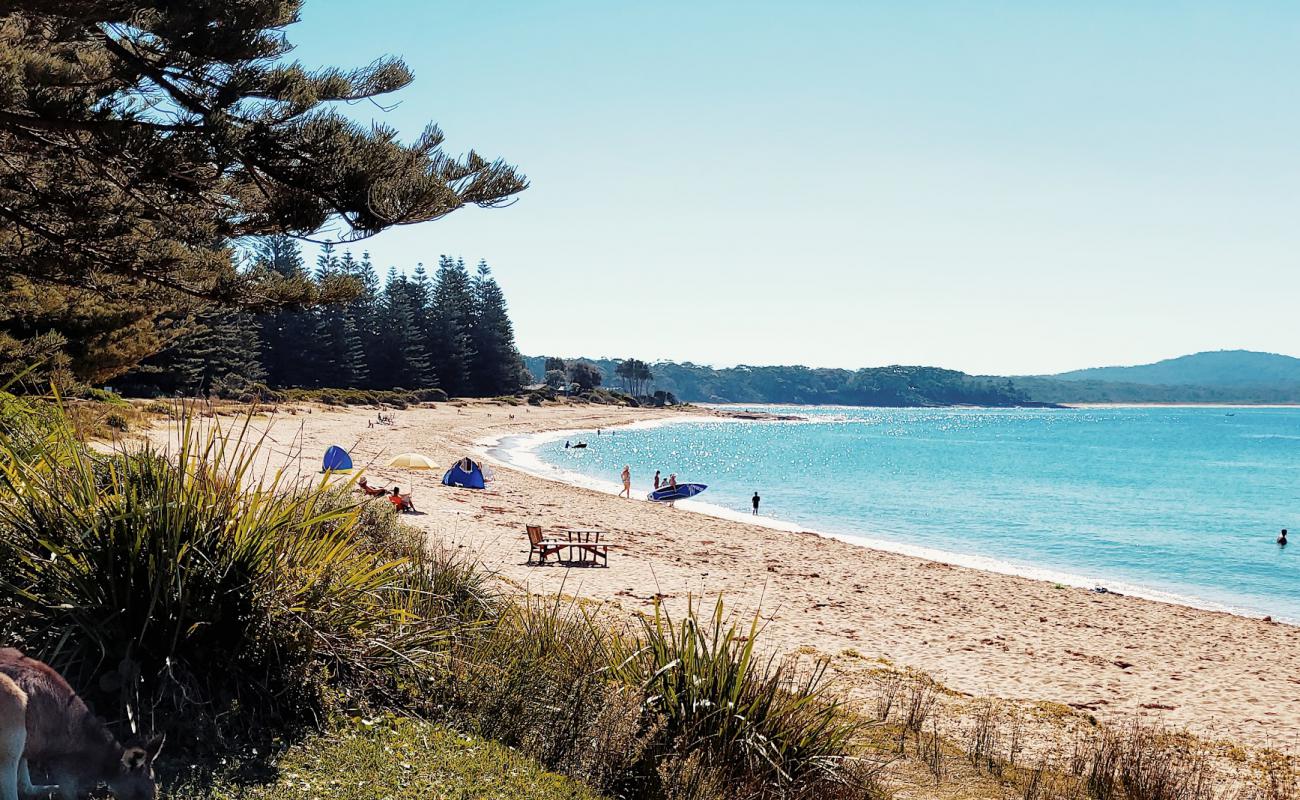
pixel 627 483
pixel 1281 538
pixel 401 501
pixel 373 491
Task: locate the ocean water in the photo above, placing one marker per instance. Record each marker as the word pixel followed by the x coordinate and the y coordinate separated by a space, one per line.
pixel 1181 504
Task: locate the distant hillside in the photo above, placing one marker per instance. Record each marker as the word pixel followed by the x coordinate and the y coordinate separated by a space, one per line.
pixel 1217 368
pixel 880 386
pixel 1223 377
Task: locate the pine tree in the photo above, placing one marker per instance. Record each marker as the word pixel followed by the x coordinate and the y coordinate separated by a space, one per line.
pixel 289 350
pixel 218 356
pixel 450 319
pixel 496 367
pixel 401 359
pixel 364 312
pixel 341 361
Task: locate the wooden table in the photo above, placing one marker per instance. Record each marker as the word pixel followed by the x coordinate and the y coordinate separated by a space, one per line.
pixel 588 544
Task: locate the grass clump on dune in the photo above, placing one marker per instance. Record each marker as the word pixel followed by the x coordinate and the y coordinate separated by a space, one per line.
pixel 660 710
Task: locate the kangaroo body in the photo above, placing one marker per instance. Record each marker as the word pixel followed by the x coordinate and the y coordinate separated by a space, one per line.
pixel 43 721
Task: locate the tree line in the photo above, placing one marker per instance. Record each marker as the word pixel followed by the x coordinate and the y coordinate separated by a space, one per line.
pixel 448 330
pixel 878 386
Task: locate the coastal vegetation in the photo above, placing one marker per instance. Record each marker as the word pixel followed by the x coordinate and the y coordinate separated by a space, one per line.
pixel 143 142
pixel 448 332
pixel 1221 377
pixel 885 386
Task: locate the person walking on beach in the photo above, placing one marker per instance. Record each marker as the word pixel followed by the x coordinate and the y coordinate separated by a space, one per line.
pixel 627 483
pixel 755 502
pixel 656 480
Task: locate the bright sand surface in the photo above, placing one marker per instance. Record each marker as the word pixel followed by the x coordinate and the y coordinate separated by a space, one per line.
pixel 979 633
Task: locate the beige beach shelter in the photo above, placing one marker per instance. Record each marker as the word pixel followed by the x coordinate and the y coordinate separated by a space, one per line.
pixel 412 461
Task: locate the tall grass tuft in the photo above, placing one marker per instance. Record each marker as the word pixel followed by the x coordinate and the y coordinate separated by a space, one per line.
pixel 188 581
pixel 759 720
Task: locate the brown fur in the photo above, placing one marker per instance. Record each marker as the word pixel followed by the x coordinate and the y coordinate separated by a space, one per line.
pixel 13 735
pixel 69 741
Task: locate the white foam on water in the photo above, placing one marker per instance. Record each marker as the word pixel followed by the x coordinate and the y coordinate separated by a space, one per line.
pixel 520 452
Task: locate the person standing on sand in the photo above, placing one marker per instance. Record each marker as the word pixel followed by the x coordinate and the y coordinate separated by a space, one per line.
pixel 656 480
pixel 755 502
pixel 627 483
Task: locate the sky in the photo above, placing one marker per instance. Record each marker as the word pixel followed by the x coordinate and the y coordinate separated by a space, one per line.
pixel 996 187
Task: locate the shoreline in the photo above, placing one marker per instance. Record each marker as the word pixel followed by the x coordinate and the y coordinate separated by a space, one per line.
pixel 979 633
pixel 517 452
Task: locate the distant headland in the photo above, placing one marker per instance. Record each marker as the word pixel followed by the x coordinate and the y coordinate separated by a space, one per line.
pixel 1223 376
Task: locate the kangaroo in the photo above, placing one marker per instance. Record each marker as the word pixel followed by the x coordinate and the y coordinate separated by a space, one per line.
pixel 43 721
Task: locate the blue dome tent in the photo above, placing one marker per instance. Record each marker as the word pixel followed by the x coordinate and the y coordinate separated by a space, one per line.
pixel 465 474
pixel 336 460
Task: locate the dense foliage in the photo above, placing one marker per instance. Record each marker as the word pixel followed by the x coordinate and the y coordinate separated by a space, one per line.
pixel 141 138
pixel 449 331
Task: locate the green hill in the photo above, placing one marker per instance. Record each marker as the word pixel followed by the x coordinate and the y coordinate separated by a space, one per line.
pixel 1216 368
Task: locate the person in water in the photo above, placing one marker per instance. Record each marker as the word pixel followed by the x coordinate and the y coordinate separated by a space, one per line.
pixel 672 480
pixel 1281 538
pixel 755 502
pixel 656 479
pixel 627 483
pixel 566 444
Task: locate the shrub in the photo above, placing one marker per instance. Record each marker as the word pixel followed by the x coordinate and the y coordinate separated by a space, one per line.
pixel 138 574
pixel 99 396
pixel 396 759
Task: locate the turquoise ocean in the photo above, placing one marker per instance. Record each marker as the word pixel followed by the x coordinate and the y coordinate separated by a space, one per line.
pixel 1178 504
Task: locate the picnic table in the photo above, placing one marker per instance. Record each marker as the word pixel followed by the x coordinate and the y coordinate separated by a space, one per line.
pixel 587 544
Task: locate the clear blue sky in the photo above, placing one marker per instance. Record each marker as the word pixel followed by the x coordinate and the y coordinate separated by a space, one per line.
pixel 1000 187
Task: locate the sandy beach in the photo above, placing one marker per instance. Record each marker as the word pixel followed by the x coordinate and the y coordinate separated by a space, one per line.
pixel 978 633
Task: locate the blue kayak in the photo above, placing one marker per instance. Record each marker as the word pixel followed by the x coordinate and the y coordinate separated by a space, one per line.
pixel 669 494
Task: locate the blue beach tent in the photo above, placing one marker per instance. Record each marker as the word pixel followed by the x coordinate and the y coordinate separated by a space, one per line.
pixel 465 474
pixel 336 460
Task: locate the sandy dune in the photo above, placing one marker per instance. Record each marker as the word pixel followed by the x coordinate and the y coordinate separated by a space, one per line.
pixel 977 632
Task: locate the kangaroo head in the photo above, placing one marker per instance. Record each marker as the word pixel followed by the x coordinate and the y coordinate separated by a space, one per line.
pixel 134 779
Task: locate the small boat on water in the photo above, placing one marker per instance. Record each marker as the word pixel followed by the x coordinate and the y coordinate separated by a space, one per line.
pixel 671 494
